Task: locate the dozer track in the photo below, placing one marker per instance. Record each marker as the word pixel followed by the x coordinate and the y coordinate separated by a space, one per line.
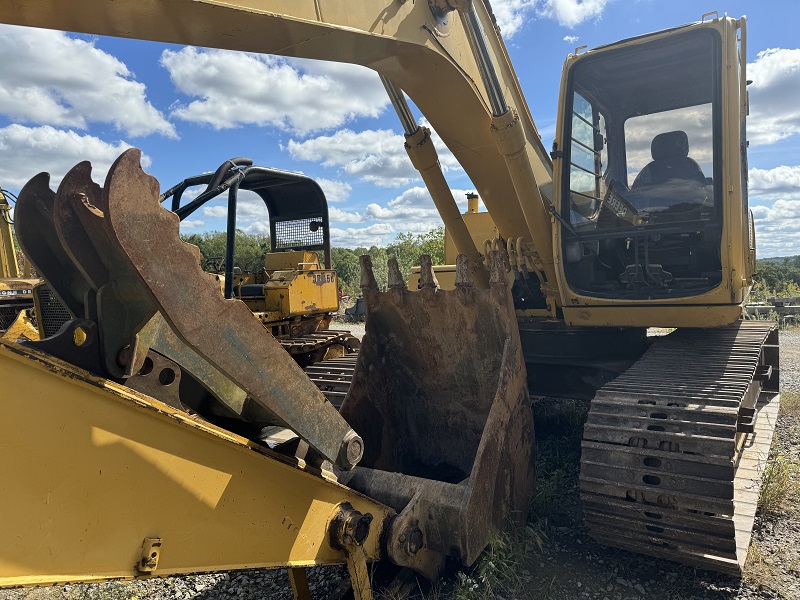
pixel 334 376
pixel 673 449
pixel 319 341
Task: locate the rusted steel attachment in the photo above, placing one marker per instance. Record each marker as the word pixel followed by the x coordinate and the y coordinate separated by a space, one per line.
pixel 119 260
pixel 439 396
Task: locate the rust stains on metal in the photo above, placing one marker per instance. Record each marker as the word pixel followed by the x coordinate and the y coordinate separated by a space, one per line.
pixel 223 331
pixel 439 395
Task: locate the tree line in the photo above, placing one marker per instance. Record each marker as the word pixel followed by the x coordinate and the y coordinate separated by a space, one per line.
pixel 776 277
pixel 251 248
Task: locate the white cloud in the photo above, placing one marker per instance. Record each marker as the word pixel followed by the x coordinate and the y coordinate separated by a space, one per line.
pixel 336 215
pixel 377 234
pixel 189 224
pixel 252 215
pixel 335 191
pixel 570 13
pixel 775 183
pixel 376 156
pixel 49 78
pixel 512 14
pixel 777 224
pixel 571 39
pixel 237 88
pixel 412 211
pixel 27 151
pixel 774 110
pixel 215 212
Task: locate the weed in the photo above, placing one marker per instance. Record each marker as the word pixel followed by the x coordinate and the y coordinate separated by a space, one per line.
pixel 780 482
pixel 790 403
pixel 498 570
pixel 757 570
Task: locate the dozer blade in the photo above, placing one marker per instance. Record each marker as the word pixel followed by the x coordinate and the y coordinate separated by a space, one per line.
pixel 439 396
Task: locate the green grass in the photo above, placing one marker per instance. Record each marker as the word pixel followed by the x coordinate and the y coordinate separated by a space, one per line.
pixel 790 403
pixel 498 572
pixel 757 570
pixel 780 485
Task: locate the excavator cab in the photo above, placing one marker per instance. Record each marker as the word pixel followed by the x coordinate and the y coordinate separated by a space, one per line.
pixel 650 130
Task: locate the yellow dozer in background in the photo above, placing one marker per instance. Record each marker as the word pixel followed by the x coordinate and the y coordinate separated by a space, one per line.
pixel 296 294
pixel 16 292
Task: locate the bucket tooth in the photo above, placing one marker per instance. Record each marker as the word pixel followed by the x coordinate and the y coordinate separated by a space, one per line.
pixel 396 280
pixel 367 275
pixel 497 268
pixel 464 277
pixel 427 278
pixel 439 395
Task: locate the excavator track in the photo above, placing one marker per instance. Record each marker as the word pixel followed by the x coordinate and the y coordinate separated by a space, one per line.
pixel 674 448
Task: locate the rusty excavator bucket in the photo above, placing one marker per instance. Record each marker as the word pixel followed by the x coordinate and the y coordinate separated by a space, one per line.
pixel 439 396
pixel 438 405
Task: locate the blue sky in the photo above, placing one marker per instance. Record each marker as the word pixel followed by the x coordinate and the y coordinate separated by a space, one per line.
pixel 66 98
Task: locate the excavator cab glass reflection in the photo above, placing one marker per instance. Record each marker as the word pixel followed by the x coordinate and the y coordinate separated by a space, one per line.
pixel 643 215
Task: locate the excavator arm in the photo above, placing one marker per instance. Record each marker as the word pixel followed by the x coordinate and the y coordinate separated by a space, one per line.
pixel 450 61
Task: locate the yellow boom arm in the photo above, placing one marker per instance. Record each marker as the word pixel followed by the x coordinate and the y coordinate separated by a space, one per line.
pixel 431 52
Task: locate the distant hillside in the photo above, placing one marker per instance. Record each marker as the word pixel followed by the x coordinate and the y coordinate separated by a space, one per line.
pixel 779 260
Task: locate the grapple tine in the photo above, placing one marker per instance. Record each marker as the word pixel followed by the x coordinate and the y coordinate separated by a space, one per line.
pixel 36 231
pixel 224 332
pixel 76 188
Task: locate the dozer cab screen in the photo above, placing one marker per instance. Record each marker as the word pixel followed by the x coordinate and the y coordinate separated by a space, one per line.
pixel 642 214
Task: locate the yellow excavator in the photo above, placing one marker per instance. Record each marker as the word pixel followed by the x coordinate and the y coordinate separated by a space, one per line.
pixel 171 433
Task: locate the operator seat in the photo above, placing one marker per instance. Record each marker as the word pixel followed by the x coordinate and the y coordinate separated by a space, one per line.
pixel 670 152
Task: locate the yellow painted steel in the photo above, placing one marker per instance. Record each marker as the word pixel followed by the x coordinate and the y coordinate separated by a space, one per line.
pixel 91 469
pixel 428 58
pixel 481 227
pixel 8 255
pixel 302 260
pixel 22 327
pixel 654 316
pixel 298 293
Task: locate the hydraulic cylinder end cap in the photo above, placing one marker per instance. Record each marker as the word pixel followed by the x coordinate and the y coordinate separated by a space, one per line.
pixel 351 451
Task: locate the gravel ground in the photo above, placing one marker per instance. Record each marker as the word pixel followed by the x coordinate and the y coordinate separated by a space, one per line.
pixel 568 564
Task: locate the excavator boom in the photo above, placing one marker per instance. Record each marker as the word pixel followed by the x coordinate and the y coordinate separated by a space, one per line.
pixel 430 53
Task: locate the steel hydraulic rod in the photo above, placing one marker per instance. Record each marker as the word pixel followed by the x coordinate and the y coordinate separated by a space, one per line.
pixel 422 153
